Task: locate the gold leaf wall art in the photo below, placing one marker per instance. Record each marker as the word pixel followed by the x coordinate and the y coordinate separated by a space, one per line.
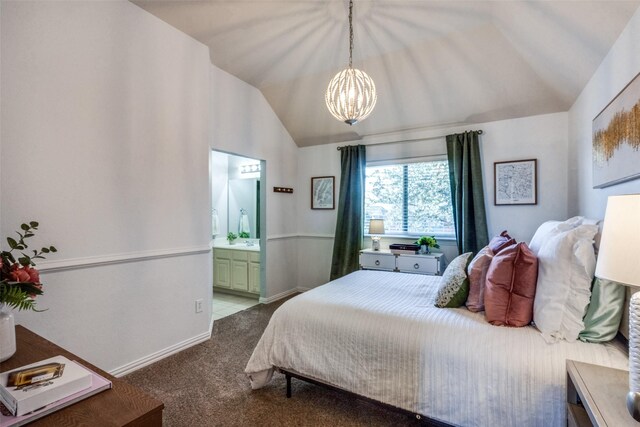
pixel 616 138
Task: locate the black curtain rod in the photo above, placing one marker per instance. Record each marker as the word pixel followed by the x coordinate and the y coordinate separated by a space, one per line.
pixel 480 132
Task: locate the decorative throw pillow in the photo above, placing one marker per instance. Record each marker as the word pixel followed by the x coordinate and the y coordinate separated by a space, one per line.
pixel 511 286
pixel 454 286
pixel 477 273
pixel 605 311
pixel 566 266
pixel 500 242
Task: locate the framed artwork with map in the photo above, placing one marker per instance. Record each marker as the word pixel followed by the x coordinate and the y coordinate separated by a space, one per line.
pixel 322 192
pixel 515 182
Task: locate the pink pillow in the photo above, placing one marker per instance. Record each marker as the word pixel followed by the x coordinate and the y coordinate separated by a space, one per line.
pixel 511 286
pixel 500 242
pixel 477 273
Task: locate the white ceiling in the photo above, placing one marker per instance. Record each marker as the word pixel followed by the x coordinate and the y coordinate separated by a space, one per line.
pixel 434 63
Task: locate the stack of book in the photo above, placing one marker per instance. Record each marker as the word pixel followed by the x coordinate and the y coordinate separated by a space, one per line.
pixel 35 390
pixel 404 248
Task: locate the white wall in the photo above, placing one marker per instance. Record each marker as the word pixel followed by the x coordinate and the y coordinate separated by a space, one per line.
pixel 220 190
pixel 105 142
pixel 541 137
pixel 620 66
pixel 243 123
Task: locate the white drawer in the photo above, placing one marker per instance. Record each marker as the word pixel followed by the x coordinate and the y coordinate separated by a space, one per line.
pixel 381 261
pixel 417 264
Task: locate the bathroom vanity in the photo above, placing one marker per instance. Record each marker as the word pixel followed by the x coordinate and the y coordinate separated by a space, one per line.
pixel 237 268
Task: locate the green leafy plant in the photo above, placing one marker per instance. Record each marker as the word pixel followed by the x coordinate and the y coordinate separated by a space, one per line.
pixel 429 241
pixel 19 280
pixel 231 236
pixel 244 235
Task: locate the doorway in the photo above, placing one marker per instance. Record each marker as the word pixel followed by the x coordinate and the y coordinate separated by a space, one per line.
pixel 238 232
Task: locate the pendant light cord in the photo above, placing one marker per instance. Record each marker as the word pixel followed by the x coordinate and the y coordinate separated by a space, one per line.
pixel 350 33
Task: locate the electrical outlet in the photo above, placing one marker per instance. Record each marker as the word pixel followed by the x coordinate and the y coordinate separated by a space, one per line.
pixel 199 306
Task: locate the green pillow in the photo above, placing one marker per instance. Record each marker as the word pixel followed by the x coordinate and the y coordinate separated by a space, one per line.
pixel 454 286
pixel 604 312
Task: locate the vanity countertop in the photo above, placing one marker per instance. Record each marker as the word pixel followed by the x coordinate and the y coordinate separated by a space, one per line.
pixel 239 246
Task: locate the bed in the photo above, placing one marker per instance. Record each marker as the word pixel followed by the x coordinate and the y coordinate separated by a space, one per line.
pixel 377 334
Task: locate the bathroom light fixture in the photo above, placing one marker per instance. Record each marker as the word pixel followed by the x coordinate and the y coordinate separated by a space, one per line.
pixel 351 94
pixel 250 168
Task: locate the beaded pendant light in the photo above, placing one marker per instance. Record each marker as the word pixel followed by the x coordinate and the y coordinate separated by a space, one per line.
pixel 351 94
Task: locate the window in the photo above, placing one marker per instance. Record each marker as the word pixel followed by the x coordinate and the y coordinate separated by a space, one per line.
pixel 413 198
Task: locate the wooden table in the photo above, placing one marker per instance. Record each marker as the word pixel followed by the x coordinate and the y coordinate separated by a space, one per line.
pixel 123 405
pixel 596 396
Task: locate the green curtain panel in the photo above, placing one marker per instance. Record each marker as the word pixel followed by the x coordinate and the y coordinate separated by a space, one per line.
pixel 467 194
pixel 349 224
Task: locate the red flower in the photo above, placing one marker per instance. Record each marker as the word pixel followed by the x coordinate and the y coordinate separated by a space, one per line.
pixel 34 275
pixel 20 281
pixel 18 274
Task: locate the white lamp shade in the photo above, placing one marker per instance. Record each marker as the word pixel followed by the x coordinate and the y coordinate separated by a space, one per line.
pixel 620 243
pixel 376 226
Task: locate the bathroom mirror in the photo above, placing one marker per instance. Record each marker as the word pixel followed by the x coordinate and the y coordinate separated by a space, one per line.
pixel 235 195
pixel 244 200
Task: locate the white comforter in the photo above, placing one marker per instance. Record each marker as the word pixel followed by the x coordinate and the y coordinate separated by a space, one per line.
pixel 378 334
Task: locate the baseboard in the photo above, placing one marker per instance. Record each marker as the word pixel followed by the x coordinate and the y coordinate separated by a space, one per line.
pixel 276 297
pixel 159 355
pixel 211 326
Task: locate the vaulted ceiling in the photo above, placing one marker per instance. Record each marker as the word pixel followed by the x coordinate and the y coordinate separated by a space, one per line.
pixel 434 63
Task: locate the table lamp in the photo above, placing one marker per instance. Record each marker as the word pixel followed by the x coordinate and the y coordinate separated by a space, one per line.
pixel 618 261
pixel 376 226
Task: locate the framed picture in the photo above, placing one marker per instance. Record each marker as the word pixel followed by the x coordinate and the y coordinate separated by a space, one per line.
pixel 323 192
pixel 515 182
pixel 616 138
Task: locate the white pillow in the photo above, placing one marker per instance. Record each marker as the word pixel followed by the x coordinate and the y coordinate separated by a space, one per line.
pixel 545 228
pixel 598 236
pixel 542 234
pixel 566 263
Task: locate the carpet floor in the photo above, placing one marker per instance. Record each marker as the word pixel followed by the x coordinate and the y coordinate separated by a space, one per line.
pixel 205 385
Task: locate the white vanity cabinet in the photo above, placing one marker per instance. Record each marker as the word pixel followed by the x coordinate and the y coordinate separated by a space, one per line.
pixel 254 272
pixel 240 270
pixel 222 268
pixel 236 270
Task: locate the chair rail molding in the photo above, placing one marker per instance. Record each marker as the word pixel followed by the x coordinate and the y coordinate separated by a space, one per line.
pixel 300 236
pixel 102 260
